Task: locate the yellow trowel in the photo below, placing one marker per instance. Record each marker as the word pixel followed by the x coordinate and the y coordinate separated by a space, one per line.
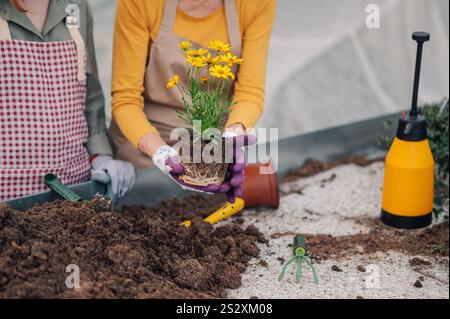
pixel 223 212
pixel 260 189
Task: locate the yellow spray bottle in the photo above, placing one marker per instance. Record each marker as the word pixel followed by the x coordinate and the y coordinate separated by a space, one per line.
pixel 408 192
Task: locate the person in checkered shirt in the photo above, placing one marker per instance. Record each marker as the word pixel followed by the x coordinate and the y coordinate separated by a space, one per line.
pixel 52 109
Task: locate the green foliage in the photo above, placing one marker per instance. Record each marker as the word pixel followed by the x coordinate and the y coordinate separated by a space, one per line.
pixel 208 105
pixel 385 141
pixel 437 116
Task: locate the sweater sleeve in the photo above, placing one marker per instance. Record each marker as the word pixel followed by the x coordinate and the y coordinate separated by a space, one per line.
pixel 131 44
pixel 98 142
pixel 250 84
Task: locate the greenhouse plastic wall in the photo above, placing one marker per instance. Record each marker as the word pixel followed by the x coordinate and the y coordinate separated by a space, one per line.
pixel 327 67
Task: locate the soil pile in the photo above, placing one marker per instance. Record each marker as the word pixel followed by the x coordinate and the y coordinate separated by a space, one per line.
pixel 139 253
pixel 431 242
pixel 314 167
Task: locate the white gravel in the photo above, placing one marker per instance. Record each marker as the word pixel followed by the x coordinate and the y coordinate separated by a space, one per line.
pixel 331 203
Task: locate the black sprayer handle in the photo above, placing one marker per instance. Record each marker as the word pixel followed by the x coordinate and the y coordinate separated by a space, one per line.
pixel 420 38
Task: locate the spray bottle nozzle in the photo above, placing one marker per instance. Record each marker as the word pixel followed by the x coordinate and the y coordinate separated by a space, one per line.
pixel 420 37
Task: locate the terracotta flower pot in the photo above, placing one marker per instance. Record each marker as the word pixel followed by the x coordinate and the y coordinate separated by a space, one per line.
pixel 261 189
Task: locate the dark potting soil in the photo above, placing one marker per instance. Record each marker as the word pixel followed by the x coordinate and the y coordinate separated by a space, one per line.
pixel 431 242
pixel 141 252
pixel 314 167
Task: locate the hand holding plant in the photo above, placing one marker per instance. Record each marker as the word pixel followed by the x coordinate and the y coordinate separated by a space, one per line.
pixel 207 98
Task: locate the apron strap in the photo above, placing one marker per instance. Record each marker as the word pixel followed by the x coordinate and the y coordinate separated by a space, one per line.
pixel 74 31
pixel 168 20
pixel 5 33
pixel 234 32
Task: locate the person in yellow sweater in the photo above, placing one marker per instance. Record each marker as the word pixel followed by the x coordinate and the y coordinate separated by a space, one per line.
pixel 146 55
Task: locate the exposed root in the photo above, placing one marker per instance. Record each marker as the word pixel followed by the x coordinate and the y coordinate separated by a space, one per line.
pixel 202 174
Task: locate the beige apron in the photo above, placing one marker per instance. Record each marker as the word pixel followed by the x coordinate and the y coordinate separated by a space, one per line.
pixel 166 60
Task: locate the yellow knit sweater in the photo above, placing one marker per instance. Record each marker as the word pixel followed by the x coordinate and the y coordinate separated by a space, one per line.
pixel 136 27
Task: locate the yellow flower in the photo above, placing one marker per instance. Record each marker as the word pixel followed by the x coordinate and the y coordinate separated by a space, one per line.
pixel 212 60
pixel 204 79
pixel 197 62
pixel 221 71
pixel 185 45
pixel 220 46
pixel 173 82
pixel 196 53
pixel 230 59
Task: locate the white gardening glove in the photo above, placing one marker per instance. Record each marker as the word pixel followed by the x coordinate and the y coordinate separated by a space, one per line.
pixel 122 175
pixel 167 160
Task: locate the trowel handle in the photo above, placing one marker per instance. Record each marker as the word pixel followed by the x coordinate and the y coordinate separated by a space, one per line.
pixel 223 212
pixel 226 211
pixel 299 245
pixel 62 190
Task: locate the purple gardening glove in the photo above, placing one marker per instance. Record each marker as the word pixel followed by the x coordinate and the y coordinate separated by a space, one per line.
pixel 234 178
pixel 235 174
pixel 167 160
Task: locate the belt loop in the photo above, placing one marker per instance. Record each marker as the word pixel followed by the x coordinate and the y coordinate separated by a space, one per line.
pixel 72 26
pixel 5 34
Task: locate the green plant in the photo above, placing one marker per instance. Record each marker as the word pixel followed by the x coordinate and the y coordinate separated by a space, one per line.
pixel 385 141
pixel 209 107
pixel 438 117
pixel 207 95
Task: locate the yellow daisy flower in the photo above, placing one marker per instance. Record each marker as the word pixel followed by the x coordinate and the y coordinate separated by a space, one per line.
pixel 212 60
pixel 197 53
pixel 220 46
pixel 230 59
pixel 197 62
pixel 173 82
pixel 185 45
pixel 221 71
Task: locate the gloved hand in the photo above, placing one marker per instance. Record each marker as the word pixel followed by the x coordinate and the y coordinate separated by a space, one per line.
pixel 167 159
pixel 235 174
pixel 121 174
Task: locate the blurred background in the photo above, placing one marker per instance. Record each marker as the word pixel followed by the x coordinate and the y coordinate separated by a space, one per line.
pixel 327 67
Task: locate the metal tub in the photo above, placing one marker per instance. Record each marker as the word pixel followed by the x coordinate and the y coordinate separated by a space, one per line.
pixel 152 186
